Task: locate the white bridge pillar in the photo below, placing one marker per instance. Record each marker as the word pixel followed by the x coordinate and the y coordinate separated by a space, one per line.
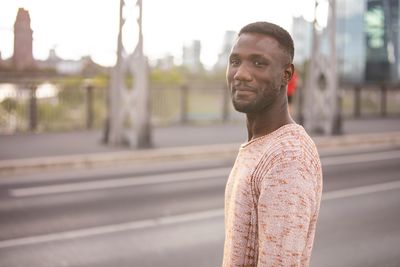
pixel 321 104
pixel 129 106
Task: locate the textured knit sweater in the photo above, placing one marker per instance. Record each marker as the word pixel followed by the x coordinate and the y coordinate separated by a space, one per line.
pixel 272 200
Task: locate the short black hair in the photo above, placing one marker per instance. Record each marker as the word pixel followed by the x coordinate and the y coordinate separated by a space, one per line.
pixel 274 31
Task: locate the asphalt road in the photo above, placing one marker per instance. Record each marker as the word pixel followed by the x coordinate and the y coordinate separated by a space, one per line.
pixel 171 214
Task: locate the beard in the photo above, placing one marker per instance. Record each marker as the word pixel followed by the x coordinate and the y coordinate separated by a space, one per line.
pixel 261 101
pixel 251 107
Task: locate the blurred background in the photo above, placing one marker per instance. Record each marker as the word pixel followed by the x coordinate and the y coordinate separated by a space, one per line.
pixel 86 85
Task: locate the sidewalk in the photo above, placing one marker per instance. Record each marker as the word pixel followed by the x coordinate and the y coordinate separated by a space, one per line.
pixel 85 147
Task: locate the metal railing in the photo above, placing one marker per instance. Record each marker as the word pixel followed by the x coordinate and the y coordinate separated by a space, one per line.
pixel 52 106
pixel 61 107
pixel 370 100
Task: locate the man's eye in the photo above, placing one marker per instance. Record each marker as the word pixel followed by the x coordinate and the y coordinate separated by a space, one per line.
pixel 258 63
pixel 234 61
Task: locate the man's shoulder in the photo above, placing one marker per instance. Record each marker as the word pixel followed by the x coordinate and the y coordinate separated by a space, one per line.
pixel 289 141
pixel 289 135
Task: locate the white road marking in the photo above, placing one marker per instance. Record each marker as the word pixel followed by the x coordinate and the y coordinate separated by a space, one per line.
pixel 360 158
pixel 114 228
pixel 120 182
pixel 174 219
pixel 180 176
pixel 361 190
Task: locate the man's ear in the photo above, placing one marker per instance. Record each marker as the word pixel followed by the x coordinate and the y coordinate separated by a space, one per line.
pixel 288 73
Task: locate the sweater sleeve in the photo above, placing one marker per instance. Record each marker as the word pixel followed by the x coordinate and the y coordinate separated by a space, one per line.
pixel 286 214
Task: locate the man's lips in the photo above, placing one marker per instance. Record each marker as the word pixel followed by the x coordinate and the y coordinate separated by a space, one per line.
pixel 244 89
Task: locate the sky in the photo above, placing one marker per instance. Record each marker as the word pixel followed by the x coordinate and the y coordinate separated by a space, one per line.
pixel 77 28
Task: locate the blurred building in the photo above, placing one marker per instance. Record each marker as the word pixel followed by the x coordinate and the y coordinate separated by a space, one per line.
pixel 301 33
pixel 23 56
pixel 166 62
pixel 382 40
pixel 223 56
pixel 59 65
pixel 367 40
pixel 84 65
pixel 23 59
pixel 191 56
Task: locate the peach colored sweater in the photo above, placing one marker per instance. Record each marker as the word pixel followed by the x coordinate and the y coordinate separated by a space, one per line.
pixel 272 200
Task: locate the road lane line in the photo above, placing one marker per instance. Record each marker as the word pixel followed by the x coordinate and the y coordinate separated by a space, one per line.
pixel 174 219
pixel 180 176
pixel 121 182
pixel 362 190
pixel 360 158
pixel 108 229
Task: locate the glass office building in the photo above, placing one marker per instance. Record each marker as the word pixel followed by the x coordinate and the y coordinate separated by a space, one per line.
pixel 381 22
pixel 367 40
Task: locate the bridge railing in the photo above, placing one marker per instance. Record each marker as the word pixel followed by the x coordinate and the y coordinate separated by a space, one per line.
pixel 371 100
pixel 55 106
pixel 61 106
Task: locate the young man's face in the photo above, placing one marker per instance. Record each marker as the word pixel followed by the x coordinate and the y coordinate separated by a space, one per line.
pixel 256 73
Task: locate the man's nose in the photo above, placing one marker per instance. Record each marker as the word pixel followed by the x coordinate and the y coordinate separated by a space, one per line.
pixel 242 73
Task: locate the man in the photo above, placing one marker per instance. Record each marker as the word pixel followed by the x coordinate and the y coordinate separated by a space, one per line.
pixel 273 193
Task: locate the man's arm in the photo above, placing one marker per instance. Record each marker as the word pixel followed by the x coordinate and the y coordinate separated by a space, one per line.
pixel 286 215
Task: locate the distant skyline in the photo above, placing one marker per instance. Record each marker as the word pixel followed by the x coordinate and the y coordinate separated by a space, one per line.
pixel 78 28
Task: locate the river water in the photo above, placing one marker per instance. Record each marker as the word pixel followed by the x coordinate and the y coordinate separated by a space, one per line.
pixel 15 91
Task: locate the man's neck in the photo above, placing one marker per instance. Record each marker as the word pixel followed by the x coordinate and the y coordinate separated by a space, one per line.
pixel 266 122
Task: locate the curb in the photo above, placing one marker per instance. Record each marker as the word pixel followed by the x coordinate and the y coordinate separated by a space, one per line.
pixel 118 158
pixel 179 153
